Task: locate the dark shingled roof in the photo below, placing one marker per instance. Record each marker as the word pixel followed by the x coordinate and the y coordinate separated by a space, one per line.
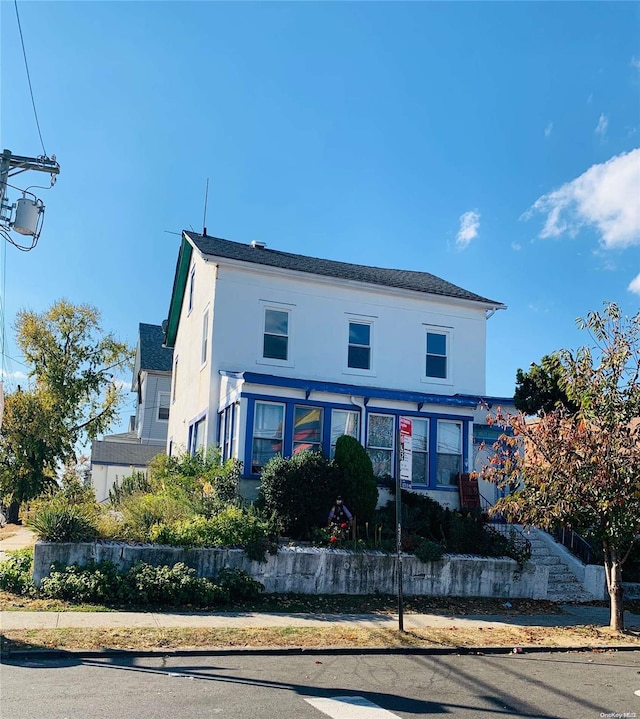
pixel 153 356
pixel 403 279
pixel 125 453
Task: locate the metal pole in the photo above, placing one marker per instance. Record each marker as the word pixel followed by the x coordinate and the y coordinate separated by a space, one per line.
pixel 399 532
pixel 5 165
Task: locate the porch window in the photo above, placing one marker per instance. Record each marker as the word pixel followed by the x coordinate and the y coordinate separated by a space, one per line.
pixel 420 451
pixel 268 434
pixel 449 460
pixel 380 443
pixel 343 422
pixel 307 429
pixel 198 436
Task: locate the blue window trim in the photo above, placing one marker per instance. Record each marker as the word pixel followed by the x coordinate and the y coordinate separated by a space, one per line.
pixel 291 402
pixel 433 418
pixel 192 424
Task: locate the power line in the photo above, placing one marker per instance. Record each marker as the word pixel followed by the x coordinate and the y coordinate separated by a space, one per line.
pixel 24 54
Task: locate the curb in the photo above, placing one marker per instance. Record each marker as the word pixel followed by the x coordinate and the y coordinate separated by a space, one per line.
pixel 24 654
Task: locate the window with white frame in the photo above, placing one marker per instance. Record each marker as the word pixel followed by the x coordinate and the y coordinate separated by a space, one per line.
pixel 205 337
pixel 192 285
pixel 437 357
pixel 420 451
pixel 380 443
pixel 359 350
pixel 268 434
pixel 307 428
pixel 276 334
pixel 344 421
pixel 449 447
pixel 164 400
pixel 227 432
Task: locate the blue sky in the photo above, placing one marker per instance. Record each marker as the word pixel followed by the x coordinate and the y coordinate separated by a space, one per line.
pixel 496 145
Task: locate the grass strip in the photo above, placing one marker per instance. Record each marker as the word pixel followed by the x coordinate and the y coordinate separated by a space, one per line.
pixel 313 637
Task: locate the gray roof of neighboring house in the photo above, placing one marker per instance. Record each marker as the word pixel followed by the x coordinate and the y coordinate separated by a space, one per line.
pixel 403 279
pixel 124 453
pixel 153 356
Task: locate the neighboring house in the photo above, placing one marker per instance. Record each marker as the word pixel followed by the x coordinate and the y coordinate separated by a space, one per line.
pixel 277 352
pixel 118 455
pixel 152 384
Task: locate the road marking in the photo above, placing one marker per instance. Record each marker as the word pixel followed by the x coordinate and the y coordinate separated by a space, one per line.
pixel 637 692
pixel 350 708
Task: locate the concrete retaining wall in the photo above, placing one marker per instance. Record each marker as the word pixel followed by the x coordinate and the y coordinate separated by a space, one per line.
pixel 308 570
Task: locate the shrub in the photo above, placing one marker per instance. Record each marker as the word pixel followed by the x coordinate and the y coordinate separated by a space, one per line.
pixel 15 572
pixel 137 483
pixel 359 487
pixel 299 492
pixel 145 584
pixel 93 583
pixel 232 526
pixel 428 551
pixel 59 522
pixel 142 511
pixel 239 584
pixel 176 585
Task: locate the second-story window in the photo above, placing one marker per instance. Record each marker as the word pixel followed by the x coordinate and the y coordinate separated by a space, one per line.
pixel 205 337
pixel 175 379
pixel 164 400
pixel 437 357
pixel 359 355
pixel 276 334
pixel 192 285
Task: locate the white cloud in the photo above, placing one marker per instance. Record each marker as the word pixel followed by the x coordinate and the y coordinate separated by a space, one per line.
pixel 516 246
pixel 6 376
pixel 635 62
pixel 469 225
pixel 634 285
pixel 603 124
pixel 548 129
pixel 605 197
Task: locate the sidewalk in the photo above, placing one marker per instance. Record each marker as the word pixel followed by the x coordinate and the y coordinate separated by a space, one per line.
pixel 21 537
pixel 573 615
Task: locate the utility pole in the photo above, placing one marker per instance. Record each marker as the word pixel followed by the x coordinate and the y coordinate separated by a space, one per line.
pixel 28 215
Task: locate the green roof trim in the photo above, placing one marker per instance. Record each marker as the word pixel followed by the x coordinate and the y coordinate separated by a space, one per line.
pixel 177 294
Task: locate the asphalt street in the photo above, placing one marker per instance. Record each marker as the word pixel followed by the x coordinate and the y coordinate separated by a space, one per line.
pixel 581 685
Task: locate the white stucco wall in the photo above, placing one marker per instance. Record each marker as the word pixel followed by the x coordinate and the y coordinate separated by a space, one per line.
pixel 318 337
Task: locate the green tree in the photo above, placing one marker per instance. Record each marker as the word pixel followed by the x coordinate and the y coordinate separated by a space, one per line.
pixel 29 449
pixel 359 485
pixel 74 396
pixel 540 389
pixel 582 470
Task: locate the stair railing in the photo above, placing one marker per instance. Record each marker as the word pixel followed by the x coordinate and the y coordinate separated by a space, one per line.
pixel 577 545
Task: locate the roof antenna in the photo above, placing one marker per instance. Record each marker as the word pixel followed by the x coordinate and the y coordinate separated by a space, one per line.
pixel 204 219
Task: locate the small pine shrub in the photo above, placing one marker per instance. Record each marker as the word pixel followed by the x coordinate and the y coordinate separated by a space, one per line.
pixel 15 572
pixel 359 486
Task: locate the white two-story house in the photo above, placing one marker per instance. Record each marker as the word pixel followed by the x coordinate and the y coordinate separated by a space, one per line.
pixel 277 352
